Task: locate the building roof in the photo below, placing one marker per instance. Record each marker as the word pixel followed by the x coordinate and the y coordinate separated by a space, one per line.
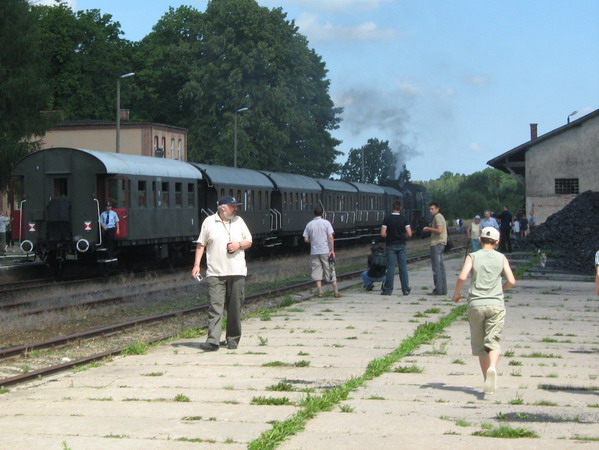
pixel 92 123
pixel 513 160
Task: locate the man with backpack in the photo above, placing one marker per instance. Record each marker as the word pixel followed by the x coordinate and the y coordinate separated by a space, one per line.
pixel 395 230
pixel 377 267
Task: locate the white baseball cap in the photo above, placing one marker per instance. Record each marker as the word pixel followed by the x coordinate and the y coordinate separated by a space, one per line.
pixel 490 232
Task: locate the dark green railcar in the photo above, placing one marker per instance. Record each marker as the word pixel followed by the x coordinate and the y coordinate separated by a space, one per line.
pixel 63 192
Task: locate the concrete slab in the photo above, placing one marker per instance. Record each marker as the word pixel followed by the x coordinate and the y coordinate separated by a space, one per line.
pixel 547 380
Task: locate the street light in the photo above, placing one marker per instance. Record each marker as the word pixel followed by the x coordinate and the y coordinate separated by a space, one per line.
pixel 118 108
pixel 573 113
pixel 235 135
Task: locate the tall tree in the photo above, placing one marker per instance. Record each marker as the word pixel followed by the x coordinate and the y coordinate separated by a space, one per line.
pixel 85 54
pixel 377 158
pixel 252 57
pixel 23 92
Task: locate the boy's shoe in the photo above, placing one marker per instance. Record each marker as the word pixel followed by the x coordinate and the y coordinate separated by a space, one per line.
pixel 369 288
pixel 491 381
pixel 407 292
pixel 385 293
pixel 337 295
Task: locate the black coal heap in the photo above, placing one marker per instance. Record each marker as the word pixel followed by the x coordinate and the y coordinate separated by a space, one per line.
pixel 572 234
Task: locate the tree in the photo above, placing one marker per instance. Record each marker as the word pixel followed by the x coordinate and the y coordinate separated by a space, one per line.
pixel 23 92
pixel 252 57
pixel 379 163
pixel 84 55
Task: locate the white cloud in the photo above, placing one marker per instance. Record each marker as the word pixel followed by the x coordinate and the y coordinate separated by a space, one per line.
pixel 367 31
pixel 71 3
pixel 479 80
pixel 475 146
pixel 329 5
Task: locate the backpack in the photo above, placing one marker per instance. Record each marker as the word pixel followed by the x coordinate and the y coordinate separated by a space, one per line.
pixel 379 261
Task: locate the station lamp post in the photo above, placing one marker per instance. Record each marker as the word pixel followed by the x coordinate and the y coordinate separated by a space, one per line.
pixel 118 109
pixel 573 113
pixel 235 135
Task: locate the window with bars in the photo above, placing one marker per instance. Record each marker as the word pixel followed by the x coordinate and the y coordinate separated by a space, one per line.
pixel 566 186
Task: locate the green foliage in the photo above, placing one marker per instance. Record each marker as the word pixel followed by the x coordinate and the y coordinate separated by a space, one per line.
pixel 23 92
pixel 379 163
pixel 84 54
pixel 467 195
pixel 236 55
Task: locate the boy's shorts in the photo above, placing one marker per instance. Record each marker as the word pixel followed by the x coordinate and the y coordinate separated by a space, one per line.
pixel 486 325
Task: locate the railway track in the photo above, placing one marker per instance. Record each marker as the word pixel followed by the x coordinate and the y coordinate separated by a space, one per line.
pixel 23 350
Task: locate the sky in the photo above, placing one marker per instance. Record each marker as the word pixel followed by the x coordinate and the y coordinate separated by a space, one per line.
pixel 450 84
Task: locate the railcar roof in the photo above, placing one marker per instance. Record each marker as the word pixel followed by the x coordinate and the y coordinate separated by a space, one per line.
pixel 234 176
pixel 392 191
pixel 336 185
pixel 368 188
pixel 121 163
pixel 293 181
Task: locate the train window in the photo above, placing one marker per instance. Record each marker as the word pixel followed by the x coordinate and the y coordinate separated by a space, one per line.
pixel 164 194
pixel 60 187
pixel 179 194
pixel 190 195
pixel 266 200
pixel 117 192
pixel 284 201
pixel 222 193
pixel 260 200
pixel 142 195
pixel 231 193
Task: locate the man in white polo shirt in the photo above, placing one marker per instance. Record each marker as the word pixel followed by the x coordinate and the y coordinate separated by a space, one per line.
pixel 225 237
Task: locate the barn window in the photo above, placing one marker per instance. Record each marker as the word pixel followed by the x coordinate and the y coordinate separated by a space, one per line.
pixel 142 195
pixel 566 186
pixel 180 149
pixel 179 194
pixel 173 148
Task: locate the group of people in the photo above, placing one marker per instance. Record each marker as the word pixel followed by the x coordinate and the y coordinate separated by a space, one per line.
pixel 395 231
pixel 505 223
pixel 224 238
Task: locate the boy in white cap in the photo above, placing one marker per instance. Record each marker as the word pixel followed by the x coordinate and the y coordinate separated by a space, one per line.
pixel 486 310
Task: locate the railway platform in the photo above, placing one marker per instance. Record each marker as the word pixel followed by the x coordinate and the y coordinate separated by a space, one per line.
pixel 294 359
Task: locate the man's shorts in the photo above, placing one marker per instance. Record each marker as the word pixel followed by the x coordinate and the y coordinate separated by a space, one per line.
pixel 486 325
pixel 321 269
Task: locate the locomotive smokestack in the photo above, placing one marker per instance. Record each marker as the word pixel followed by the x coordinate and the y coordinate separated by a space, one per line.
pixel 533 131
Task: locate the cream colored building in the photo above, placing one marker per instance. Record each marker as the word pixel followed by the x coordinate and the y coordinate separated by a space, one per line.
pixel 136 138
pixel 556 166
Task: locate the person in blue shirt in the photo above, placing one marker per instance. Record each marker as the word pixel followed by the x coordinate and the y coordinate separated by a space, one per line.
pixel 109 221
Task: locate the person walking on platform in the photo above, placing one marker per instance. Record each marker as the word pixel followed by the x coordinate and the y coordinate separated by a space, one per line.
pixel 395 230
pixel 377 267
pixel 489 221
pixel 505 230
pixel 473 232
pixel 486 309
pixel 319 234
pixel 109 221
pixel 438 230
pixel 224 237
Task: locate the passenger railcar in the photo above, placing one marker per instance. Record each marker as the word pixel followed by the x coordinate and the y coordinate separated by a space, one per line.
pixel 64 191
pixel 59 194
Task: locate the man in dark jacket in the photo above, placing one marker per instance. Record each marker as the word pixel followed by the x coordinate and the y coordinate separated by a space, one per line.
pixel 505 230
pixel 377 267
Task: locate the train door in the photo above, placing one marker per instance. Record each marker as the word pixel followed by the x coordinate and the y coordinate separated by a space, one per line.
pixel 116 190
pixel 15 200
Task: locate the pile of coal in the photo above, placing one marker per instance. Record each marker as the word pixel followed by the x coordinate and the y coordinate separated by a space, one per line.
pixel 571 234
